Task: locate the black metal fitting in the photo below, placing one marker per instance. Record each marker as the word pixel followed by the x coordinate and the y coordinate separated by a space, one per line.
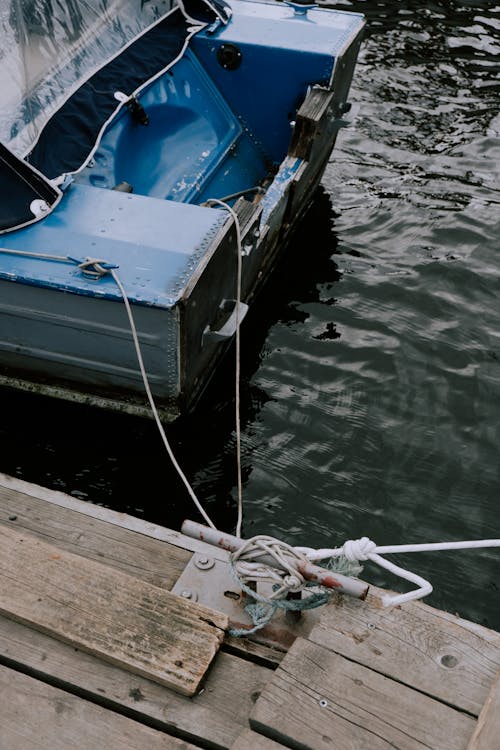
pixel 137 111
pixel 229 56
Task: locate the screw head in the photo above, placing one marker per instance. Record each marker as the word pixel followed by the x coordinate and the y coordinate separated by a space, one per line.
pixel 189 594
pixel 203 562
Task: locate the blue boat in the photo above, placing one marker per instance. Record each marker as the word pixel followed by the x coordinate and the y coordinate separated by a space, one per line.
pixel 154 161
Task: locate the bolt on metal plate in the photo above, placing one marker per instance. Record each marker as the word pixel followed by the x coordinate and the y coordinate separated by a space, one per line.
pixel 203 562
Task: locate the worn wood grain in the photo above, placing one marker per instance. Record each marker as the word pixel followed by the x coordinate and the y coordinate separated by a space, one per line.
pixel 312 117
pixel 151 560
pixel 116 616
pixel 249 740
pixel 29 507
pixel 36 716
pixel 318 700
pixel 433 651
pixel 217 714
pixel 487 732
pixel 99 512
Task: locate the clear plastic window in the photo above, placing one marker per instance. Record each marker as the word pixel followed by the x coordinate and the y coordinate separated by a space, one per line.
pixel 49 47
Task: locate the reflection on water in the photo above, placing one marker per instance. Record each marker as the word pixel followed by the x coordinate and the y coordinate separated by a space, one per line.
pixel 371 368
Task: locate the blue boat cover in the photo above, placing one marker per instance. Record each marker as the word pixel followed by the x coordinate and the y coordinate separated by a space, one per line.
pixel 64 141
pixel 76 126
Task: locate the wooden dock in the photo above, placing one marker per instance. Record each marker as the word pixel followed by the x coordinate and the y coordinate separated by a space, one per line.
pixel 113 634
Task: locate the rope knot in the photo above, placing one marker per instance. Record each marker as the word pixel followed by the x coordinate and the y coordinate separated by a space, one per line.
pixel 293 583
pixel 358 549
pixel 94 268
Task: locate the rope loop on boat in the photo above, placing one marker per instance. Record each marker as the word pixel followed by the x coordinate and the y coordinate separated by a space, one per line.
pixel 94 268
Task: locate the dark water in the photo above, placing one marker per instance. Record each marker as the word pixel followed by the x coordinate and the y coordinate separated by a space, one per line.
pixel 371 368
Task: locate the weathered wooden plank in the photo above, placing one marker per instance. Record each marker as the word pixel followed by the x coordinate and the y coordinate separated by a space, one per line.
pixel 312 117
pixel 36 716
pixel 249 740
pixel 152 553
pixel 487 732
pixel 123 520
pixel 318 700
pixel 149 559
pixel 216 715
pixel 433 651
pixel 116 616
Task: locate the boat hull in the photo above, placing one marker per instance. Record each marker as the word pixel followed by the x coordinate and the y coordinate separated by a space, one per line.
pixel 63 334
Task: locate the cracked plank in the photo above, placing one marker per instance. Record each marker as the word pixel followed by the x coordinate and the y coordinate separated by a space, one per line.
pixel 216 715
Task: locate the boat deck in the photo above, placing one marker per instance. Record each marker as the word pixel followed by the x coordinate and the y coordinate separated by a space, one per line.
pixel 96 650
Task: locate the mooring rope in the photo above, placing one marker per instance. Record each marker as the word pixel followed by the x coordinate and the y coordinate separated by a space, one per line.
pixel 365 549
pixel 97 269
pixel 239 254
pixel 239 251
pixel 152 403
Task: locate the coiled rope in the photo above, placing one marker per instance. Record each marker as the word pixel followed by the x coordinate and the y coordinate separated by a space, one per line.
pixel 284 576
pixel 285 579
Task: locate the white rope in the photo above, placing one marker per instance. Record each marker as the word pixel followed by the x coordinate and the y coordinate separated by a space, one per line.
pixel 223 204
pixel 153 405
pixel 285 576
pixel 41 256
pixel 190 490
pixel 365 549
